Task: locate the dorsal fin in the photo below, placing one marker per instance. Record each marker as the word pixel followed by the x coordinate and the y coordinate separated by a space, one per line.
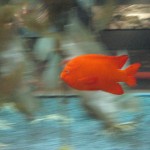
pixel 119 61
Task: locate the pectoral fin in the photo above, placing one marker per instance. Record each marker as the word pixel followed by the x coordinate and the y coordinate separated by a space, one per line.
pixel 114 88
pixel 88 80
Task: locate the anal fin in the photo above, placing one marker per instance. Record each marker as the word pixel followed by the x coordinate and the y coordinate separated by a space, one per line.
pixel 114 88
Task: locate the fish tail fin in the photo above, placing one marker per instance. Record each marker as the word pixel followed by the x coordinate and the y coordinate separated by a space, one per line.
pixel 131 71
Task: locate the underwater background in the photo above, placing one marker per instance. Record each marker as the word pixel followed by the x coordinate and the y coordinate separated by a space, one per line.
pixel 51 130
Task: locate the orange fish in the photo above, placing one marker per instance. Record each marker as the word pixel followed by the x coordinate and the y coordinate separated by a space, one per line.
pixel 99 72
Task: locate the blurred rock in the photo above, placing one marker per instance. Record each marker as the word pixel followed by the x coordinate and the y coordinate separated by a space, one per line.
pixel 13 69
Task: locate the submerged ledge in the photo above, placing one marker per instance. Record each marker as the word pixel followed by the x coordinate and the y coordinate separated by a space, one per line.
pixel 72 94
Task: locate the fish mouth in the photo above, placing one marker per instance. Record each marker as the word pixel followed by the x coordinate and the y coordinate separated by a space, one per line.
pixel 62 76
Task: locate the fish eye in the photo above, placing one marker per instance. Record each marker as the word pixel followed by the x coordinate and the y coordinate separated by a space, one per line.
pixel 67 71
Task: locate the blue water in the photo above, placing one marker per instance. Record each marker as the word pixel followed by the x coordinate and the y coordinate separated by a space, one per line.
pixel 80 131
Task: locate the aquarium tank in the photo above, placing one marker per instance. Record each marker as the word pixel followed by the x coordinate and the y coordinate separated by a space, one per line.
pixel 74 74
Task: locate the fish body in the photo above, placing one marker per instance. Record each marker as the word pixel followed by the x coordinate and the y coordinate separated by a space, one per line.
pixel 99 72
